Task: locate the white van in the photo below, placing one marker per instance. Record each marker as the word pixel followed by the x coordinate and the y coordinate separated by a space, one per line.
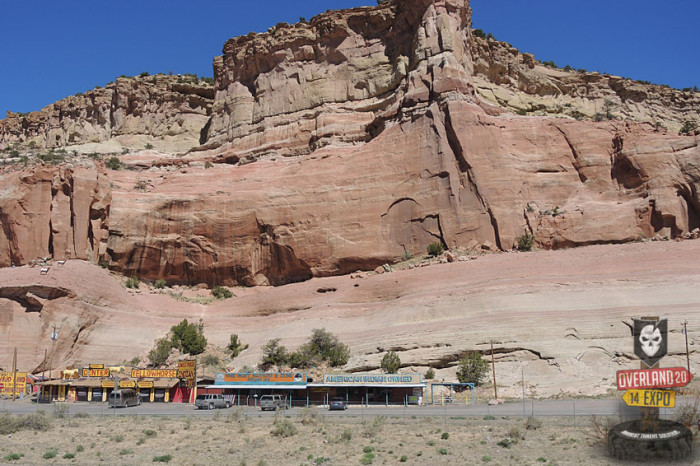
pixel 123 398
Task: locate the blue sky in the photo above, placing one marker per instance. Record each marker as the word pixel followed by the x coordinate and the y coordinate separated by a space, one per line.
pixel 52 49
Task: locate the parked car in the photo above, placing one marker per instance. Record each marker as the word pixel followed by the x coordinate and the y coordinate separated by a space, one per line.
pixel 123 398
pixel 273 402
pixel 337 403
pixel 211 401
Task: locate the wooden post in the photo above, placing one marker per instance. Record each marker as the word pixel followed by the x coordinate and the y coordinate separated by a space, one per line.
pixel 493 367
pixel 687 353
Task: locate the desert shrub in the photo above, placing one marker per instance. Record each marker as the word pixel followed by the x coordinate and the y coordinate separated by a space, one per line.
pixel 113 163
pixel 208 165
pixel 144 74
pixel 688 127
pixel 310 416
pixel 550 64
pixel 525 242
pixel 273 354
pixel 442 451
pixel 9 424
pixel 235 346
pixel 371 429
pixel 284 428
pixel 125 451
pixel 521 112
pixel 219 292
pixel 403 459
pixel 60 410
pixel 159 355
pixel 211 360
pixel 391 362
pixel 13 456
pixel 445 436
pixel 79 448
pixel 162 459
pixel 133 282
pixel 189 338
pixel 532 423
pixel 160 284
pixel 346 435
pixel 430 374
pixel 50 454
pixel 322 346
pixel 507 442
pixel 149 146
pixel 479 33
pixel 472 368
pixel 68 456
pixel 435 249
pixel 686 413
pixel 515 433
pixel 150 433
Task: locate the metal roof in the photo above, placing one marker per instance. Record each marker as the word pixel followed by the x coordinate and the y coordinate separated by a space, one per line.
pixel 259 386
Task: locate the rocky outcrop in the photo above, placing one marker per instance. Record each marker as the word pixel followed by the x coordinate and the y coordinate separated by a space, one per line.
pixel 167 112
pixel 49 212
pixel 371 139
pixel 518 82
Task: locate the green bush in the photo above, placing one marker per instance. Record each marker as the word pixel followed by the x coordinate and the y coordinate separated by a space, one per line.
pixel 430 374
pixel 219 292
pixel 159 354
pixel 210 360
pixel 79 448
pixel 445 436
pixel 113 163
pixel 532 423
pixel 13 456
pixel 525 242
pixel 149 146
pixel 189 338
pixel 435 249
pixel 442 451
pixel 162 459
pixel 688 127
pixel 472 368
pixel 68 456
pixel 9 424
pixel 160 284
pixel 391 362
pixel 404 458
pixel 273 354
pixel 133 282
pixel 235 346
pixel 322 346
pixel 50 454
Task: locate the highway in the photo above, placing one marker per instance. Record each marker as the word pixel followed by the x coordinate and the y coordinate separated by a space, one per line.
pixel 539 408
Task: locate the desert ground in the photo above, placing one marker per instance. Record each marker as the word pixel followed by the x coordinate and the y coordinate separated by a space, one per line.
pixel 307 437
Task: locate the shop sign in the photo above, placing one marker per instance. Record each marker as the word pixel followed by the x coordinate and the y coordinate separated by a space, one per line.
pixel 650 398
pixel 96 372
pixel 7 379
pixel 268 378
pixel 369 379
pixel 185 370
pixel 144 384
pixel 154 373
pixel 127 384
pixel 650 340
pixel 96 366
pixel 107 384
pixel 666 377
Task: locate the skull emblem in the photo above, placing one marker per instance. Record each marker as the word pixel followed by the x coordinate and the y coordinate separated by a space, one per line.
pixel 650 338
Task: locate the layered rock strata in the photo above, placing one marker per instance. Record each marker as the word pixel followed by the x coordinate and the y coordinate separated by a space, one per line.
pixel 166 112
pixel 370 142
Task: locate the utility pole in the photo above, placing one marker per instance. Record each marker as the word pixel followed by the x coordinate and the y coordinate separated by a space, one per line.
pixel 14 374
pixel 54 337
pixel 687 353
pixel 493 367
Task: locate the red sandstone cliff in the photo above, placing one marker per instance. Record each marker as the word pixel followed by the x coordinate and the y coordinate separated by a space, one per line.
pixel 372 135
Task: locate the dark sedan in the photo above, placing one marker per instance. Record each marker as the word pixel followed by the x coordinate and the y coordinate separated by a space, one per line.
pixel 338 403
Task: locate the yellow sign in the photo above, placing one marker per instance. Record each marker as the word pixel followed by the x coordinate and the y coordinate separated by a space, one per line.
pixel 96 366
pixel 7 379
pixel 185 370
pixel 154 373
pixel 144 384
pixel 95 372
pixel 650 398
pixel 108 384
pixel 127 384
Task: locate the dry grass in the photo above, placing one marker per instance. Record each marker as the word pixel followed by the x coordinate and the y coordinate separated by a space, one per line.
pixel 238 439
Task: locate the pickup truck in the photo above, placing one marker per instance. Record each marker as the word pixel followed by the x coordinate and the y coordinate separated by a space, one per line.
pixel 211 401
pixel 273 402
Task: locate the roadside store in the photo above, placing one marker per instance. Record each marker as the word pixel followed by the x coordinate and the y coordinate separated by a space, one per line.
pixel 245 389
pixel 369 389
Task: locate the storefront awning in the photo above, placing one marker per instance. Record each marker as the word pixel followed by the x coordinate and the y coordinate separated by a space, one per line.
pixel 369 385
pixel 258 387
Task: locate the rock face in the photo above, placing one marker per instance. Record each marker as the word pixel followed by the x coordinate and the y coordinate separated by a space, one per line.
pixel 57 213
pixel 371 139
pixel 166 112
pixel 517 82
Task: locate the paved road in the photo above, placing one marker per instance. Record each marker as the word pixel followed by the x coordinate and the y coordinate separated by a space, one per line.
pixel 608 407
